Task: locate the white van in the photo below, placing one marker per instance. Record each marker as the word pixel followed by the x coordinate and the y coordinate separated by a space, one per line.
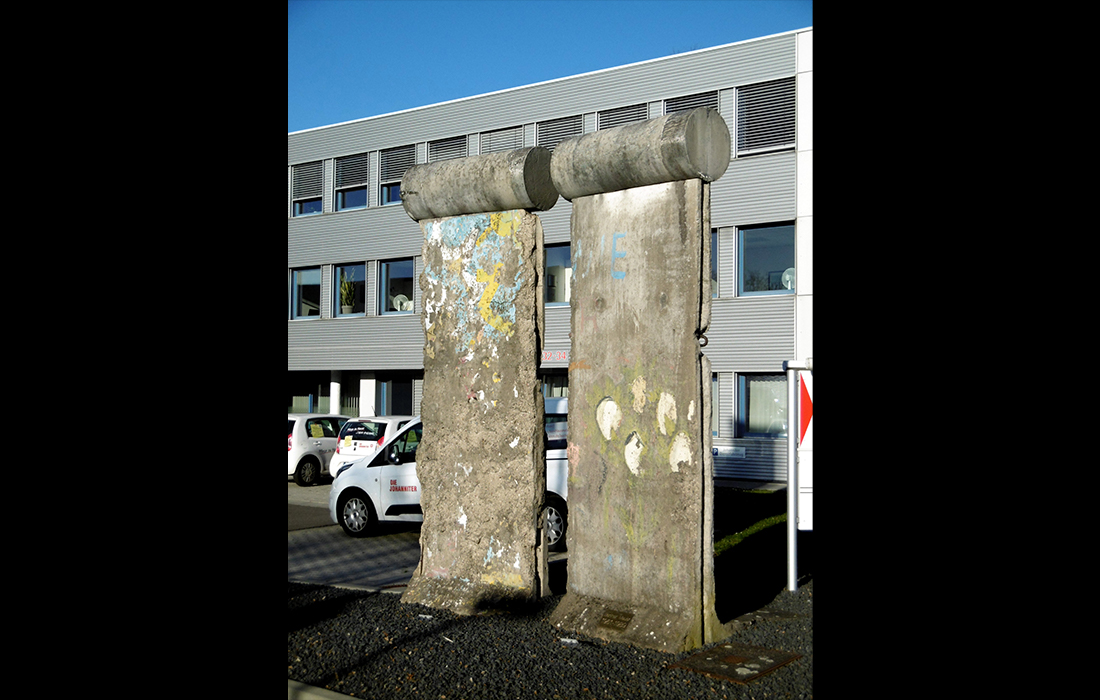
pixel 385 488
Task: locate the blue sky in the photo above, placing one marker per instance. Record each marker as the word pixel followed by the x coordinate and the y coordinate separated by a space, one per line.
pixel 350 59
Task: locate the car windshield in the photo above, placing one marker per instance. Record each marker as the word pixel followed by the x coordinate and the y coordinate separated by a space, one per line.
pixel 363 430
pixel 289 426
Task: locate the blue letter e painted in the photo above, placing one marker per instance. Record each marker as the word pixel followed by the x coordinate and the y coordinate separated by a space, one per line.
pixel 617 274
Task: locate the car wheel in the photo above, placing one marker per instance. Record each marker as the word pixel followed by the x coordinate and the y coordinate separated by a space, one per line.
pixel 356 514
pixel 307 472
pixel 557 520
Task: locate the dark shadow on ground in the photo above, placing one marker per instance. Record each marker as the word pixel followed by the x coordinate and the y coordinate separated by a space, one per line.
pixel 309 604
pixel 749 575
pixel 559 576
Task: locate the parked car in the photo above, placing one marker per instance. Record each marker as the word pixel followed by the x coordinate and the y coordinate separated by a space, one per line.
pixel 310 444
pixel 385 487
pixel 557 473
pixel 362 437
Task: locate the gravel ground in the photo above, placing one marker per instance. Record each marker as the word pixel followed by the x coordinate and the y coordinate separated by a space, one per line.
pixel 370 645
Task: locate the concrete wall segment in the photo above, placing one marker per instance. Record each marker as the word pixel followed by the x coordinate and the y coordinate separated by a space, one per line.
pixel 638 420
pixel 481 463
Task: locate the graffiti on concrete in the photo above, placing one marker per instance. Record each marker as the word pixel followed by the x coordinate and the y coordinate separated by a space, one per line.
pixel 471 279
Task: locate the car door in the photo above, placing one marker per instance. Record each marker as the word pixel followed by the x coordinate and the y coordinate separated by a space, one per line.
pixel 400 487
pixel 321 436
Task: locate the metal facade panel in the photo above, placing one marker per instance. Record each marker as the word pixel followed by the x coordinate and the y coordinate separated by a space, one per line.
pixel 375 342
pixel 555 222
pixel 725 406
pixel 727 275
pixel 556 339
pixel 365 234
pixel 764 460
pixel 372 288
pixel 756 190
pixel 751 334
pixel 326 291
pixel 671 76
pixel 326 196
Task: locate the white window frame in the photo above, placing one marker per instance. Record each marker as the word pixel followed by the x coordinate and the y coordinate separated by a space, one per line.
pixel 359 284
pixel 765 117
pixel 384 300
pixel 747 414
pixel 390 175
pixel 351 174
pixel 307 187
pixel 557 282
pixel 295 301
pixel 740 267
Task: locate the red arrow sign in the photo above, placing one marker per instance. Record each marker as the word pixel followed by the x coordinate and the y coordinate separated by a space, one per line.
pixel 806 409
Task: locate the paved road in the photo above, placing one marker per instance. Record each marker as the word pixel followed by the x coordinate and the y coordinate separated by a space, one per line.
pixel 316 496
pixel 318 551
pixel 307 506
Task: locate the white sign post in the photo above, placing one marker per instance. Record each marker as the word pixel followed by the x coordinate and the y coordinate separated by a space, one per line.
pixel 799 434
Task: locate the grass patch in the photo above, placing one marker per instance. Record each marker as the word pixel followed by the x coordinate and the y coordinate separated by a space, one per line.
pixel 731 540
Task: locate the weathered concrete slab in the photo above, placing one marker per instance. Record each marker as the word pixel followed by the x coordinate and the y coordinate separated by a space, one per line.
pixel 481 464
pixel 640 542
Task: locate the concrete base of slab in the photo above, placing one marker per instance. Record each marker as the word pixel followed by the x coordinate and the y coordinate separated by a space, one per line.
pixel 640 625
pixel 466 597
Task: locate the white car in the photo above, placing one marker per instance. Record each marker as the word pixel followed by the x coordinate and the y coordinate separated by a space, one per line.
pixel 557 473
pixel 362 437
pixel 310 444
pixel 385 488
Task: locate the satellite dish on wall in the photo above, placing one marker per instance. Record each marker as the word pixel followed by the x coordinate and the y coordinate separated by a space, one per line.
pixel 788 278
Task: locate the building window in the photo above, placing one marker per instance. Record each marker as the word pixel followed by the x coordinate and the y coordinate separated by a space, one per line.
pixel 765 116
pixel 396 286
pixel 762 403
pixel 390 193
pixel 766 256
pixel 307 207
pixel 394 396
pixel 305 293
pixel 559 274
pixel 555 386
pixel 350 289
pixel 549 134
pixel 393 164
pixel 355 198
pixel 307 188
pixel 352 176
